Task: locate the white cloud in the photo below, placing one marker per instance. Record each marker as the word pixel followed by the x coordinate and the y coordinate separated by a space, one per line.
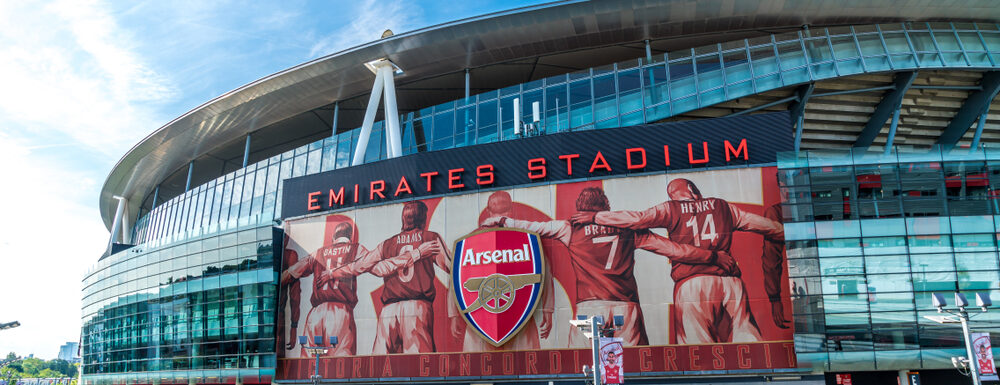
pixel 75 96
pixel 369 19
pixel 67 73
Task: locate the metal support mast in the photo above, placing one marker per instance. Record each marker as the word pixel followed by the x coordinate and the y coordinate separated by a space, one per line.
pixel 384 84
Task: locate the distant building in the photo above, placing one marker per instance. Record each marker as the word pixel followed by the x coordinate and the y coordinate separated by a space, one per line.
pixel 70 352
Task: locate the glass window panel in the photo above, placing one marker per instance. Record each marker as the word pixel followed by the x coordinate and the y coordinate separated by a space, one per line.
pixel 465 131
pixel 487 130
pixel 978 280
pixel 839 247
pixel 852 288
pixel 581 112
pixel 605 101
pixel 556 108
pixel 976 261
pixel 804 267
pixel 844 47
pixel 506 118
pixel 932 262
pixel 846 319
pixel 373 151
pixel 974 242
pixel 929 243
pixel 656 84
pixel 887 264
pixel 841 266
pixel 848 340
pixel 801 249
pixel 884 245
pixel 329 157
pixel 879 301
pixel 313 161
pixel 444 131
pixel 629 98
pixel 925 279
pixel 234 208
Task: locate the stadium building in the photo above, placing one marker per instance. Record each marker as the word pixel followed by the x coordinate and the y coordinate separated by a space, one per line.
pixel 824 166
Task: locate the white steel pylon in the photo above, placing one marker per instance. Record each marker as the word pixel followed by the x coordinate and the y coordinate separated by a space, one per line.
pixel 384 71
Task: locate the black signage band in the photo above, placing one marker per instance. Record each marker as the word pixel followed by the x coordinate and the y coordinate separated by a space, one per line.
pixel 753 139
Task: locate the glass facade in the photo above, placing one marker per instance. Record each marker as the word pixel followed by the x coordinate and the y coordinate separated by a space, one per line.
pixel 199 311
pixel 870 236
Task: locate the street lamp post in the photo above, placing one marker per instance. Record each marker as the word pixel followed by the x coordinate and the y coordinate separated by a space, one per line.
pixel 588 326
pixel 983 302
pixel 317 349
pixel 9 325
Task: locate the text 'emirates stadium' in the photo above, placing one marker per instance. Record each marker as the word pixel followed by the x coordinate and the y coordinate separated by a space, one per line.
pixel 654 192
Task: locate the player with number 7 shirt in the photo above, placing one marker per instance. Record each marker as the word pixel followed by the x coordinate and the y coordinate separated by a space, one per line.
pixel 603 262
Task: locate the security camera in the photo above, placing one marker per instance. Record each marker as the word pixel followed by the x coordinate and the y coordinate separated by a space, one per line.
pixel 939 302
pixel 983 300
pixel 586 370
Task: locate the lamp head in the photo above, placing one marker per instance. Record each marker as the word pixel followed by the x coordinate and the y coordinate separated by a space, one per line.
pixel 938 301
pixel 318 340
pixel 983 300
pixel 303 340
pixel 960 300
pixel 333 341
pixel 619 321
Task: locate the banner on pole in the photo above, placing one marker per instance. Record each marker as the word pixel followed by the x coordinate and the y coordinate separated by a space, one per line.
pixel 983 351
pixel 611 361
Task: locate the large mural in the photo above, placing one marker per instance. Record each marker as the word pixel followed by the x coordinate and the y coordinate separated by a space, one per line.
pixel 484 283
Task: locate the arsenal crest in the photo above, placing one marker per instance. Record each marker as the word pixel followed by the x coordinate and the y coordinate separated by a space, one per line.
pixel 497 278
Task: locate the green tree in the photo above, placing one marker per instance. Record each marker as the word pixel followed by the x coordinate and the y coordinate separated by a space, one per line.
pixel 31 367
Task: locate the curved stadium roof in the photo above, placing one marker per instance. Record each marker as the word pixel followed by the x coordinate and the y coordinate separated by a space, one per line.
pixel 502 49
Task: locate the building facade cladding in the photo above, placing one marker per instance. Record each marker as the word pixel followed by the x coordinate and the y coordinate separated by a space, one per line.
pixel 199 310
pixel 194 301
pixel 871 236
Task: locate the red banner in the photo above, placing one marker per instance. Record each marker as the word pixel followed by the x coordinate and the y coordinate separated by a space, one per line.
pixel 685 358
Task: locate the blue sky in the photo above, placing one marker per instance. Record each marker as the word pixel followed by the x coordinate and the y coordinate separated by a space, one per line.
pixel 81 81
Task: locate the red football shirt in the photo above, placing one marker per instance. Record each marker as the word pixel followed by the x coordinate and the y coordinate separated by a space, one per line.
pixel 411 282
pixel 706 223
pixel 328 258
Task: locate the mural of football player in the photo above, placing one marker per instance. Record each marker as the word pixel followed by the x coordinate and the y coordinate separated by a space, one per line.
pixel 710 301
pixel 335 268
pixel 773 262
pixel 290 294
pixel 603 259
pixel 406 322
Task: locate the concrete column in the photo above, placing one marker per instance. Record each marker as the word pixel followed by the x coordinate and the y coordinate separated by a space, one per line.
pixel 904 378
pixel 336 115
pixel 246 151
pixel 187 185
